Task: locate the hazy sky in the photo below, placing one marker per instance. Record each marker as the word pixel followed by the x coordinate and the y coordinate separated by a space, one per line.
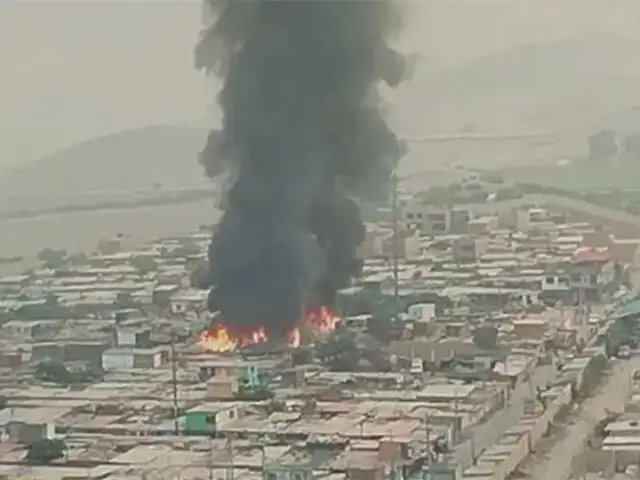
pixel 71 70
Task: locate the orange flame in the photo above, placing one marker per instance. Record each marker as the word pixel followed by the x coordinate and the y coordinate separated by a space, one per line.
pixel 221 338
pixel 294 337
pixel 321 320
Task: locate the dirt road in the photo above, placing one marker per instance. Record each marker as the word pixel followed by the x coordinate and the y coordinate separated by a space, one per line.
pixel 611 395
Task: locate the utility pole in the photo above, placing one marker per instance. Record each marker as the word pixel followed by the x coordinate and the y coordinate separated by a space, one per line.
pixel 174 383
pixel 210 458
pixel 394 217
pixel 427 432
pixel 230 471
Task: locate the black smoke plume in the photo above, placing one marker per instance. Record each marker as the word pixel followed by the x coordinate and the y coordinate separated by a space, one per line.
pixel 303 136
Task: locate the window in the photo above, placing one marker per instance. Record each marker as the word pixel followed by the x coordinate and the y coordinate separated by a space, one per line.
pixel 549 280
pixel 271 476
pixel 298 476
pixel 232 414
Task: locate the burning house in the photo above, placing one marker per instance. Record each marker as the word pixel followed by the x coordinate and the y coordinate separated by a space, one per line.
pixel 223 337
pixel 304 137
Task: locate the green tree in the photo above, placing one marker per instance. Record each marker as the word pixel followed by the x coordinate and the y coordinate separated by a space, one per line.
pixel 199 276
pixel 339 352
pixel 491 177
pixel 53 371
pixel 45 451
pixel 124 300
pixel 144 264
pixel 50 309
pixel 79 258
pixel 57 372
pixel 276 405
pixel 603 145
pixel 250 394
pixel 384 328
pixel 186 250
pixel 631 145
pixel 52 258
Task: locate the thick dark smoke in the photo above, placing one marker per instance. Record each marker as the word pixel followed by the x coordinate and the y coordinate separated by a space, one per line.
pixel 303 135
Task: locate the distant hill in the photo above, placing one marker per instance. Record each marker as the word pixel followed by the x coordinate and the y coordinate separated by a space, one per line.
pixel 574 87
pixel 574 83
pixel 155 156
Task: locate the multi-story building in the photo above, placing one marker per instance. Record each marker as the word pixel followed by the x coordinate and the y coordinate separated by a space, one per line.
pixel 434 220
pixel 591 274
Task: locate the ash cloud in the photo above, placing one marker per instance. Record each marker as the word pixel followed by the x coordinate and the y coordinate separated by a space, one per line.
pixel 304 135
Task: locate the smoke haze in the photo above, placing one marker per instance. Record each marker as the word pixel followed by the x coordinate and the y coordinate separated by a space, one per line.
pixel 303 136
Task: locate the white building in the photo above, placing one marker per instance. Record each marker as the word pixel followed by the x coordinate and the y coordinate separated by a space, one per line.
pixel 190 300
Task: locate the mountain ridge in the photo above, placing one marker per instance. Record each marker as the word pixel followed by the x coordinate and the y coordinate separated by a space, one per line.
pixel 156 156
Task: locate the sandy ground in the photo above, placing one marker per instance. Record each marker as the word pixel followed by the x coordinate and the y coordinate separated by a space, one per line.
pixel 81 231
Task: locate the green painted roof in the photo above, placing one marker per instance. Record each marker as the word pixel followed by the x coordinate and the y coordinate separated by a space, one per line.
pixel 632 307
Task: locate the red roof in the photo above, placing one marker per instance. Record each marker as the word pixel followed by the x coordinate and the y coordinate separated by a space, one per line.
pixel 593 255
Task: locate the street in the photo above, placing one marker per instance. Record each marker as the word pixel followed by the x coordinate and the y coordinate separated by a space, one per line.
pixel 610 396
pixel 488 433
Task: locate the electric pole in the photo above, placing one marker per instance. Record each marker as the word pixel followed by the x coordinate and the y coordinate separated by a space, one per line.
pixel 230 473
pixel 210 458
pixel 427 431
pixel 174 383
pixel 394 219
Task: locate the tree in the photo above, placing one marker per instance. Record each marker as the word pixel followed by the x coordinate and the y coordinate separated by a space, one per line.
pixel 276 405
pixel 57 372
pixel 186 250
pixel 384 328
pixel 541 398
pixel 79 258
pixel 631 145
pixel 339 352
pixel 508 193
pixel 52 371
pixel 486 337
pixel 253 394
pixel 491 177
pixel 52 258
pixel 45 451
pixel 50 309
pixel 199 276
pixel 124 300
pixel 603 145
pixel 144 264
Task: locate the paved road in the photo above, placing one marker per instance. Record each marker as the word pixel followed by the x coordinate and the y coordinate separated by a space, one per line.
pixel 566 203
pixel 488 433
pixel 612 396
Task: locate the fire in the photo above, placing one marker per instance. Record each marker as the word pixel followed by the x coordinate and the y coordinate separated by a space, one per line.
pixel 222 338
pixel 294 337
pixel 321 320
